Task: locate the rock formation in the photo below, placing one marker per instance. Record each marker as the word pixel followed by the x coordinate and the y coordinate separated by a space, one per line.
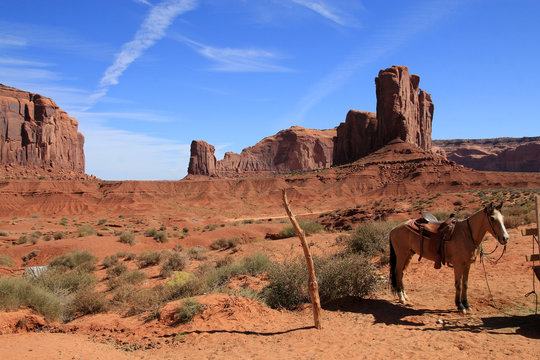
pixel 403 109
pixel 293 149
pixel 404 112
pixel 500 154
pixel 356 137
pixel 35 132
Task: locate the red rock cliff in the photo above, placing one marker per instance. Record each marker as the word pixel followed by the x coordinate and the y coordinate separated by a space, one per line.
pixel 403 109
pixel 35 132
pixel 500 154
pixel 293 149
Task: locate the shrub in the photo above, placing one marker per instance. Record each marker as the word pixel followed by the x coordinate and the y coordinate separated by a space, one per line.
pixel 370 238
pixel 148 258
pixel 287 282
pixel 309 227
pixel 6 261
pixel 197 253
pixel 116 270
pixel 101 222
pixel 150 232
pixel 127 237
pixel 136 300
pixel 188 310
pixel 34 216
pixel 4 233
pixel 86 230
pixel 47 237
pixel 255 264
pixel 23 239
pixel 224 244
pixel 178 248
pixel 86 301
pixel 128 277
pixel 458 203
pixel 349 275
pixel 247 221
pixel 59 235
pixel 182 284
pixel 64 221
pixel 175 262
pixel 82 259
pixel 109 261
pixel 58 281
pixel 161 237
pixel 15 293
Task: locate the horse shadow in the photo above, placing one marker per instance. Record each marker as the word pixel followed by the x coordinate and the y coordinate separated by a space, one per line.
pixel 389 313
pixel 383 311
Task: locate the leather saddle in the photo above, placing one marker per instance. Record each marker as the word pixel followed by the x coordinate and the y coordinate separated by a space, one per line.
pixel 439 232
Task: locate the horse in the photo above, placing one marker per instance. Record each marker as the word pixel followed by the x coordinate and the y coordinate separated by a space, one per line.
pixel 461 250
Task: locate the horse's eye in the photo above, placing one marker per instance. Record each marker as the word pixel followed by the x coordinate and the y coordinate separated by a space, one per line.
pixel 493 218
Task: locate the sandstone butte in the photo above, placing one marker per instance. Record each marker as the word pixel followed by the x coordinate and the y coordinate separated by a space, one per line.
pixel 404 111
pixel 37 138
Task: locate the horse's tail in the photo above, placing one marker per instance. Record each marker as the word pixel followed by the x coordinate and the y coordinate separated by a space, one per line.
pixel 393 262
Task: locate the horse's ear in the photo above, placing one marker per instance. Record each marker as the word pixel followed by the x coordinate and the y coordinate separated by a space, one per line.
pixel 499 207
pixel 489 208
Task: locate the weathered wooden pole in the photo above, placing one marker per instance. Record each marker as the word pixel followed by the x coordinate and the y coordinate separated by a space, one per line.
pixel 312 280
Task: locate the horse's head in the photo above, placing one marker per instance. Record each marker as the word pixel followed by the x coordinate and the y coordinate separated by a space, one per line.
pixel 496 223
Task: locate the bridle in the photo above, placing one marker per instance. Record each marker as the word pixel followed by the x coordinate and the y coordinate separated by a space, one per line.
pixel 479 247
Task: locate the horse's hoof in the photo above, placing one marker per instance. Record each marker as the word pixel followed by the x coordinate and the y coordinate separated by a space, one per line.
pixel 463 311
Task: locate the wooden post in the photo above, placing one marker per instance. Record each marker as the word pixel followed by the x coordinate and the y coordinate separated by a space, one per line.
pixel 312 281
pixel 538 217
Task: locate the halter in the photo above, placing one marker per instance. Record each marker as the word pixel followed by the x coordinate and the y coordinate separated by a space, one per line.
pixel 480 247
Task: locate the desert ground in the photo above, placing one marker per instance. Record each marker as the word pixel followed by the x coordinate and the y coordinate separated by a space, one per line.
pixel 194 214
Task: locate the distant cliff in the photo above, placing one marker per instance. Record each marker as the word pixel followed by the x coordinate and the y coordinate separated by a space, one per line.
pixel 36 133
pixel 500 154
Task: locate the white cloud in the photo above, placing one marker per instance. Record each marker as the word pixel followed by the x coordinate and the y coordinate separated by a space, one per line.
pixel 113 154
pixel 322 9
pixel 144 2
pixel 152 29
pixel 7 40
pixel 235 60
pixel 21 62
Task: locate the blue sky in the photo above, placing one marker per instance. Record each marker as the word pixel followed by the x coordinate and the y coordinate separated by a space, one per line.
pixel 145 77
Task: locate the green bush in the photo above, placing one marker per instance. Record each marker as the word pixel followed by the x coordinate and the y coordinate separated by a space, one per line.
pixel 337 277
pixel 58 281
pixel 150 232
pixel 309 227
pixel 148 258
pixel 59 235
pixel 86 301
pixel 252 265
pixel 127 237
pixel 224 244
pixel 135 300
pixel 101 222
pixel 161 237
pixel 86 230
pixel 128 277
pixel 64 221
pixel 23 239
pixel 81 259
pixel 188 310
pixel 197 253
pixel 6 261
pixel 4 233
pixel 110 261
pixel 16 293
pixel 116 270
pixel 175 262
pixel 371 238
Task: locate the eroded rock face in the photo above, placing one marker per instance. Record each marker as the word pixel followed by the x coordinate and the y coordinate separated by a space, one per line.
pixel 356 137
pixel 35 132
pixel 500 154
pixel 404 110
pixel 293 149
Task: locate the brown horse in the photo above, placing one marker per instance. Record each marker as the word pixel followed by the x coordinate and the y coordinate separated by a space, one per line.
pixel 461 249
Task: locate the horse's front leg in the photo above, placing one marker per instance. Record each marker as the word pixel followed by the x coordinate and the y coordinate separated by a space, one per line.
pixel 458 277
pixel 465 286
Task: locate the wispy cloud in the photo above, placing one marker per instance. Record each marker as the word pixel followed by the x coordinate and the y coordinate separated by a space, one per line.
pixel 383 43
pixel 329 12
pixel 144 2
pixel 8 40
pixel 151 30
pixel 235 60
pixel 22 62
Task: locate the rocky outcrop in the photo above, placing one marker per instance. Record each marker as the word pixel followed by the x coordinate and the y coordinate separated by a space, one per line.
pixel 202 160
pixel 500 154
pixel 404 110
pixel 356 137
pixel 35 132
pixel 293 149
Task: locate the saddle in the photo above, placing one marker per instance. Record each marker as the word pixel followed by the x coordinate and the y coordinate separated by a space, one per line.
pixel 438 232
